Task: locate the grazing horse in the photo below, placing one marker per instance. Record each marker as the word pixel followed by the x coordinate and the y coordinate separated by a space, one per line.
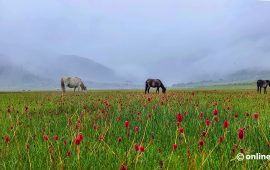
pixel 72 82
pixel 262 84
pixel 155 83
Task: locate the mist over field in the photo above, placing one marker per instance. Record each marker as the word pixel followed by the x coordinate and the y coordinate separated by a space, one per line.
pixel 119 44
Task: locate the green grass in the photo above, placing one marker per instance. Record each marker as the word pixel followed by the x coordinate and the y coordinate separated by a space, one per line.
pixel 27 117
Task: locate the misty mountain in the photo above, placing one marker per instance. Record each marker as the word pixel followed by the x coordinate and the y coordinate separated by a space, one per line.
pixel 13 76
pixel 70 65
pixel 252 74
pixel 45 73
pixel 237 77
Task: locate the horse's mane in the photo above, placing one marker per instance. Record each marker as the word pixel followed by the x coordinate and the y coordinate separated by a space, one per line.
pixel 162 85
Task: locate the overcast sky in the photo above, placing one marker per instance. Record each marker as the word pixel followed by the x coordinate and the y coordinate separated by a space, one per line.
pixel 175 40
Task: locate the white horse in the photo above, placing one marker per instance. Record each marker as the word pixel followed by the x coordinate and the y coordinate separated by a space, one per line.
pixel 72 82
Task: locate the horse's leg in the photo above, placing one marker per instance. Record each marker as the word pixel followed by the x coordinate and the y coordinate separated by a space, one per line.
pixel 146 87
pixel 74 89
pixel 158 90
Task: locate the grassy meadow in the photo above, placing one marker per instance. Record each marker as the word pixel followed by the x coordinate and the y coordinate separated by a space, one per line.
pixel 126 129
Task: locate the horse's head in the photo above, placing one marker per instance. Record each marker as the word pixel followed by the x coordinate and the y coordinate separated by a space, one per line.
pixel 84 88
pixel 164 90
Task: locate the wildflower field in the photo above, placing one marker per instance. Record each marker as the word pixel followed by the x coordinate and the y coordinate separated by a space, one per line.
pixel 200 129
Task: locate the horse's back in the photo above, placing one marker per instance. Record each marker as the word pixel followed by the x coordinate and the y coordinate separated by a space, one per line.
pixel 153 82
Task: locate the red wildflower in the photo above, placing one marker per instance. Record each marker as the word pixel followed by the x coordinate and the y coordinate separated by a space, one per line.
pixel 7 139
pixel 68 153
pixel 207 122
pixel 148 99
pixel 256 116
pixel 77 141
pixel 241 133
pixel 236 115
pixel 201 142
pixel 247 114
pixel 141 149
pixel 201 115
pixel 136 128
pixel 225 125
pixel 101 138
pixel 203 134
pixel 179 117
pixel 181 130
pixel 45 137
pixel 123 167
pixel 136 147
pixel 174 146
pixel 220 139
pixel 242 150
pixel 95 126
pixel 80 136
pixel 215 112
pixel 55 137
pixel 78 126
pixel 126 124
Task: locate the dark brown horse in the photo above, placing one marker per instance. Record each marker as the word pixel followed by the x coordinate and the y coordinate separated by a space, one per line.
pixel 262 84
pixel 155 83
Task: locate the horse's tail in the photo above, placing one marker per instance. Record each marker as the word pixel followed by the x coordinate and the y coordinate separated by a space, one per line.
pixel 63 85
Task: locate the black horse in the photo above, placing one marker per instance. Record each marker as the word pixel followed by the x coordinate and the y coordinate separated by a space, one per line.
pixel 155 83
pixel 262 84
